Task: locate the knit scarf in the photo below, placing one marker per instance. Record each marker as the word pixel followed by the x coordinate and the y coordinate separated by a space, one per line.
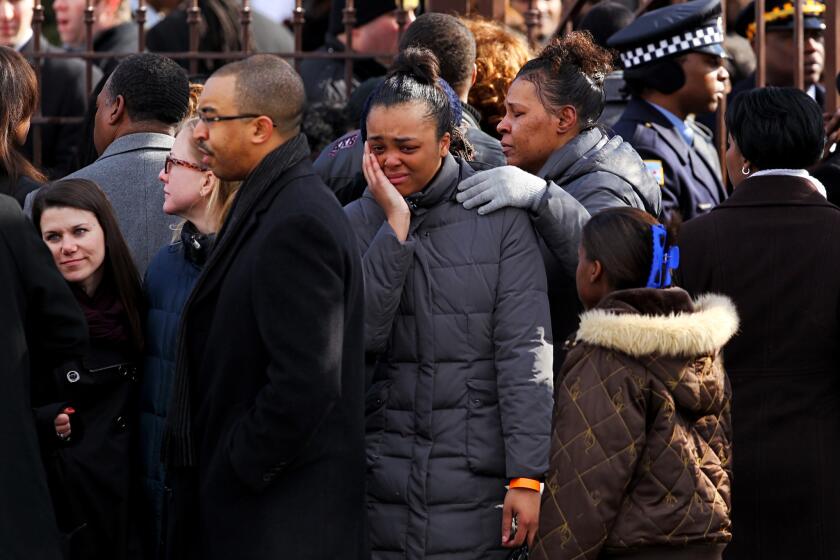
pixel 104 313
pixel 178 445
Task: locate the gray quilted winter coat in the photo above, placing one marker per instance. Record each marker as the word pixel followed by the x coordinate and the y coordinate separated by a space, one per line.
pixel 462 394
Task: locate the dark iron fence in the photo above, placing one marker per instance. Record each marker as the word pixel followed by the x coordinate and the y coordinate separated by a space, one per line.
pixel 492 9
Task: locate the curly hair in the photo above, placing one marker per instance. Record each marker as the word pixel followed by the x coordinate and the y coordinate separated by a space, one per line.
pixel 500 53
pixel 571 71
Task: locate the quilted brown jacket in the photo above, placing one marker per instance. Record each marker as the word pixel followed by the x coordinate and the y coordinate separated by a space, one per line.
pixel 640 451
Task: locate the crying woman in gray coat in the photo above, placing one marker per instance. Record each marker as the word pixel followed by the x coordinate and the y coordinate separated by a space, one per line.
pixel 459 409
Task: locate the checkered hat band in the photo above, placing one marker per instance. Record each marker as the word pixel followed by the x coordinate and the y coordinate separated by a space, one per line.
pixel 683 42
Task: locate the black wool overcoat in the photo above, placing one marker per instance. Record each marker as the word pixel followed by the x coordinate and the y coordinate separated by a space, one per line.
pixel 39 321
pixel 273 339
pixel 773 247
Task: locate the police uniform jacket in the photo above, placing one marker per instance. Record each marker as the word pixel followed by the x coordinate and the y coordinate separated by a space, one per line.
pixel 690 176
pixel 748 84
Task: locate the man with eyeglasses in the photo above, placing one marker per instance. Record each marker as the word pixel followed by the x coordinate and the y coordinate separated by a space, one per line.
pixel 142 101
pixel 265 436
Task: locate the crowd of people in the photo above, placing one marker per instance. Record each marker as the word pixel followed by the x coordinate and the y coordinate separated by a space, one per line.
pixel 480 303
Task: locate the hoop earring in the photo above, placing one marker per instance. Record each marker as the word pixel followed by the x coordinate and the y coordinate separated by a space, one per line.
pixel 745 170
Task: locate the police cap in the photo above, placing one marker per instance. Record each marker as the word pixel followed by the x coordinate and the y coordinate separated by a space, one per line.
pixel 780 14
pixel 670 31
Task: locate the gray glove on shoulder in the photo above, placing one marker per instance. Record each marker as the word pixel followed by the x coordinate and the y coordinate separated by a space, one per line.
pixel 501 187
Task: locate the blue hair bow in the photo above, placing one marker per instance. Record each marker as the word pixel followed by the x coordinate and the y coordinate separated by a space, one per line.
pixel 664 261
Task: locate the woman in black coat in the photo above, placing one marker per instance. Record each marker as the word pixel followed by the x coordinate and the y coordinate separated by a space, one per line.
pixel 773 247
pixel 40 319
pixel 86 415
pixel 19 95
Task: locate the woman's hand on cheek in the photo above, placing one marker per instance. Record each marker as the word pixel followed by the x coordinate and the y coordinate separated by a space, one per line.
pixel 392 202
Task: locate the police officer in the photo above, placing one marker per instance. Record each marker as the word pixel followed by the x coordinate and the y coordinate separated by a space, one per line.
pixel 779 16
pixel 673 67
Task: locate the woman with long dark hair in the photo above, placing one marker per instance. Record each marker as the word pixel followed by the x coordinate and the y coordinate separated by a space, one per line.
pixel 87 416
pixel 456 310
pixel 18 100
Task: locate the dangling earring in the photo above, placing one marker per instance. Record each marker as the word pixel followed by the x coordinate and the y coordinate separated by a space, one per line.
pixel 745 170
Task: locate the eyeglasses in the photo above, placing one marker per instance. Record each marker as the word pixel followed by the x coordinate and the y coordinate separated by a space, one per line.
pixel 219 118
pixel 170 161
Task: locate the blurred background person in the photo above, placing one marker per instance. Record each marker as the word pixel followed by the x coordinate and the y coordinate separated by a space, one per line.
pixel 220 31
pixel 42 326
pixel 113 28
pixel 773 247
pixel 19 92
pixel 465 351
pixel 741 61
pixel 669 85
pixel 605 19
pixel 499 55
pixel 202 201
pixel 63 89
pixel 551 11
pixel 642 412
pixel 376 32
pixel 92 411
pixel 780 49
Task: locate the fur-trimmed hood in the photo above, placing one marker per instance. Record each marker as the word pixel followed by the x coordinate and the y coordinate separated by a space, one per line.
pixel 660 322
pixel 675 339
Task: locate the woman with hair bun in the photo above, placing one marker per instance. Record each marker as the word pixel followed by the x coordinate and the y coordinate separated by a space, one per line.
pixel 457 315
pixel 555 148
pixel 551 131
pixel 641 452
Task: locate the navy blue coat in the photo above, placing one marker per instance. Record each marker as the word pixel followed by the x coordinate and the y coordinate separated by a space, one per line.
pixel 169 280
pixel 690 177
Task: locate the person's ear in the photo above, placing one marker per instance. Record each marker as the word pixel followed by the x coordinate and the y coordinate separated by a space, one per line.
pixel 263 128
pixel 117 110
pixel 207 181
pixel 445 141
pixel 567 119
pixel 474 74
pixel 595 272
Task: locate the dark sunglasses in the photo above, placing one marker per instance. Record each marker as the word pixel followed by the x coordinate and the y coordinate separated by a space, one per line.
pixel 170 161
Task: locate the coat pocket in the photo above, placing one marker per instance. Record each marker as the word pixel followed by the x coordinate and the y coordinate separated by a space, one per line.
pixel 485 442
pixel 375 422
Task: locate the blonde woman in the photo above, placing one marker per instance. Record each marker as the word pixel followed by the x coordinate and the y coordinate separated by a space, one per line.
pixel 192 192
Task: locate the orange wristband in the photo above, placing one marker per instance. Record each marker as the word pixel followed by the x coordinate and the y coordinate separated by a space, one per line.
pixel 528 483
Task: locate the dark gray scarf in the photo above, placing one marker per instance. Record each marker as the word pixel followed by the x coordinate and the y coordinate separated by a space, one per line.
pixel 178 447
